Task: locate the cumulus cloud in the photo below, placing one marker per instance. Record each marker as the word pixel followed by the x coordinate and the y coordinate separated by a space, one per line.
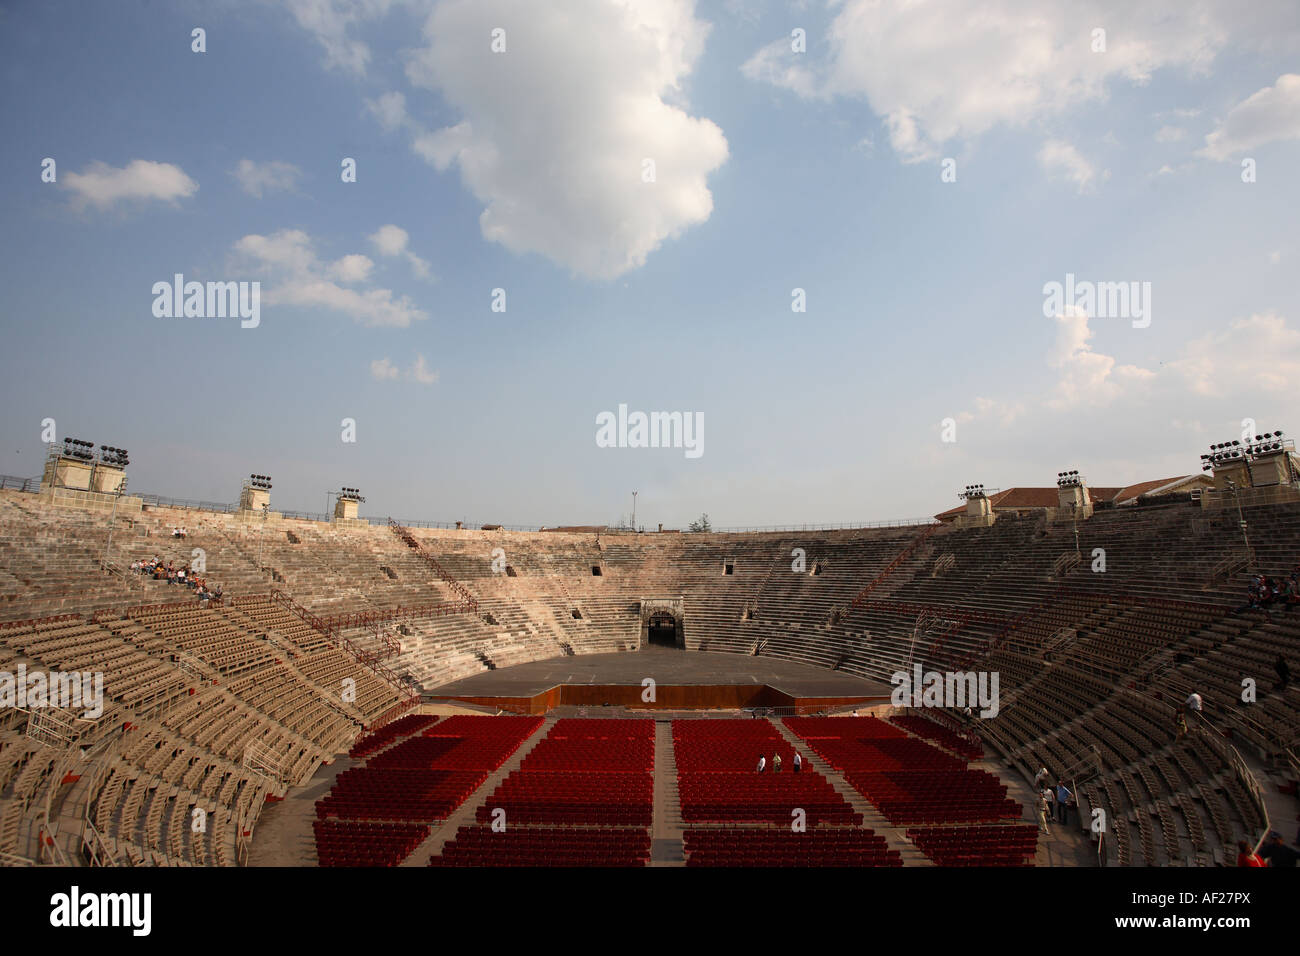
pixel 1086 377
pixel 937 72
pixel 421 373
pixel 1220 365
pixel 101 185
pixel 554 132
pixel 352 268
pixel 258 178
pixel 301 279
pixel 1258 350
pixel 383 370
pixel 390 110
pixel 1061 160
pixel 779 65
pixel 332 23
pixel 1268 116
pixel 1003 413
pixel 391 240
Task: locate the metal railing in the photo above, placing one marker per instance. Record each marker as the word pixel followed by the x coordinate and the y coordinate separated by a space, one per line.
pixel 331 633
pixel 890 568
pixel 851 526
pixel 1232 757
pixel 432 562
pixel 187 504
pixel 343 622
pixel 14 483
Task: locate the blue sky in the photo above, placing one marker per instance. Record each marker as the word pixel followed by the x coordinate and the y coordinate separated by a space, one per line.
pixel 522 170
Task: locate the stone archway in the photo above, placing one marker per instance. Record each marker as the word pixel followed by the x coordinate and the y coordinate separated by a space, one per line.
pixel 662 623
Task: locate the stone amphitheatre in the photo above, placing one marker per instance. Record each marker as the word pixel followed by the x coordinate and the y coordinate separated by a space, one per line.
pixel 380 693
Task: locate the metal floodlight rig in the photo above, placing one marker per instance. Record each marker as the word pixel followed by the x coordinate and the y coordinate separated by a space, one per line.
pixel 76 448
pixel 351 494
pixel 1069 479
pixel 114 456
pixel 1223 452
pixel 262 482
pixel 1269 443
pixel 972 491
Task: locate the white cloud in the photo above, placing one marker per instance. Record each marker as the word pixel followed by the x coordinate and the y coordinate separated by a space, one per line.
pixel 390 110
pixel 289 250
pixel 420 372
pixel 1062 161
pixel 102 185
pixel 1257 351
pixel 257 178
pixel 779 65
pixel 1004 413
pixel 1268 116
pixel 383 369
pixel 1254 359
pixel 352 268
pixel 301 279
pixel 1170 134
pixel 1086 377
pixel 554 131
pixel 391 240
pixel 936 72
pixel 331 22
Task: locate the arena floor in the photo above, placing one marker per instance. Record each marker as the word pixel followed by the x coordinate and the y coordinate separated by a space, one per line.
pixel 666 666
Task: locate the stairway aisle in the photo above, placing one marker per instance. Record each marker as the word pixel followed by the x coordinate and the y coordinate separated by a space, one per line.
pixel 871 817
pixel 467 811
pixel 666 847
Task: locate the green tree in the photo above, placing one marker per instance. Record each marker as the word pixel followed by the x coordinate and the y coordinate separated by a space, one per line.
pixel 701 523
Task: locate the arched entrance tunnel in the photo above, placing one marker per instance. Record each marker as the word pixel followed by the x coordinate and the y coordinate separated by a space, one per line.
pixel 661 630
pixel 661 623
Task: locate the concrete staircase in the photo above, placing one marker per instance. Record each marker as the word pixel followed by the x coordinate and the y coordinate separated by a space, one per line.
pixel 666 834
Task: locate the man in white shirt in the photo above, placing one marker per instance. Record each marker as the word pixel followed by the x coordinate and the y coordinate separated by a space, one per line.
pixel 762 763
pixel 1193 703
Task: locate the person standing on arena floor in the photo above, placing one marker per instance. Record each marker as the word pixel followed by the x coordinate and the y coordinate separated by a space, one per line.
pixel 1042 812
pixel 1062 802
pixel 762 763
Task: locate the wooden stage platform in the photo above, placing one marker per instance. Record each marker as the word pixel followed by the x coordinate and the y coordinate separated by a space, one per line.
pixel 683 680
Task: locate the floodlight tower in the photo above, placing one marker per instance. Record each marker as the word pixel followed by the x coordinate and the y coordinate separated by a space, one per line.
pixel 110 475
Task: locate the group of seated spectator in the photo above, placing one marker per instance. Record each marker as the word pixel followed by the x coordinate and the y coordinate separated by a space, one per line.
pixel 1265 593
pixel 160 571
pixel 179 533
